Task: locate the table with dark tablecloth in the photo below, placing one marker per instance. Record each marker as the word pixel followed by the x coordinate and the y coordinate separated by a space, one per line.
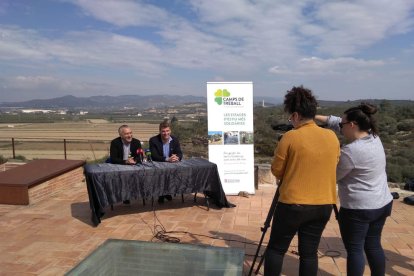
pixel 109 183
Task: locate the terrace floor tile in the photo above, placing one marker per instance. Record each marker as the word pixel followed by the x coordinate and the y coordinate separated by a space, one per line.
pixel 51 236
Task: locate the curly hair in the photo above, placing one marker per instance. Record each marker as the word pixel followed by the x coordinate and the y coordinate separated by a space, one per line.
pixel 362 115
pixel 300 100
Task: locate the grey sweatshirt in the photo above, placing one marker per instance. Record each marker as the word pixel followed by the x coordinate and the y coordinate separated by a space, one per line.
pixel 361 175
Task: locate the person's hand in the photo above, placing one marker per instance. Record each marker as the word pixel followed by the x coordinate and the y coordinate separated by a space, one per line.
pixel 173 158
pixel 130 161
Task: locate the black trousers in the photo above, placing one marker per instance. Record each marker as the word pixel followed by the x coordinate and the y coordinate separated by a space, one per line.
pixel 306 220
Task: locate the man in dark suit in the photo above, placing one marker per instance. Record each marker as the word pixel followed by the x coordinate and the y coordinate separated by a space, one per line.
pixel 165 148
pixel 124 149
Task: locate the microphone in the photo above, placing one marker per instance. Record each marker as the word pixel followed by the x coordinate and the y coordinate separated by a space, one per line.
pixel 140 154
pixel 148 155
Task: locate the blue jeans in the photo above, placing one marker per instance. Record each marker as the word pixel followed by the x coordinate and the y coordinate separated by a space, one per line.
pixel 306 220
pixel 361 230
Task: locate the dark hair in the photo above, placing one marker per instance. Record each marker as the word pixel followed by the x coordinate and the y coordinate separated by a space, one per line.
pixel 165 124
pixel 300 100
pixel 362 115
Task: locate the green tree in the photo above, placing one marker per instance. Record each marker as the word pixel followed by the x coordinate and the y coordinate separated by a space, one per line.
pixel 394 173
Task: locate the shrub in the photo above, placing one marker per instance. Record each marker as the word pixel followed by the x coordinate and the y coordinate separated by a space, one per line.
pixel 408 172
pixel 406 125
pixel 3 159
pixel 20 157
pixel 394 173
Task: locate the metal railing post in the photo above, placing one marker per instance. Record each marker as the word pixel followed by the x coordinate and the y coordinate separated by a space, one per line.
pixel 64 147
pixel 14 153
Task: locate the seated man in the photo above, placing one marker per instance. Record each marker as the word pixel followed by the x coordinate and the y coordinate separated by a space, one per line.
pixel 165 148
pixel 124 149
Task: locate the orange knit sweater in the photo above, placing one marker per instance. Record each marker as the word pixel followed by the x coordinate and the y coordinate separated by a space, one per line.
pixel 305 161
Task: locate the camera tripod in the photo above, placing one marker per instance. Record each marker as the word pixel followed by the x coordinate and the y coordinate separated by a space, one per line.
pixel 264 229
pixel 267 225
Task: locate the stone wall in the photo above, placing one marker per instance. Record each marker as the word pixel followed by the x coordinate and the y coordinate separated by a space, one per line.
pixel 55 185
pixel 265 175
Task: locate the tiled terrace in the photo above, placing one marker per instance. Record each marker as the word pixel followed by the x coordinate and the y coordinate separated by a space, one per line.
pixel 52 236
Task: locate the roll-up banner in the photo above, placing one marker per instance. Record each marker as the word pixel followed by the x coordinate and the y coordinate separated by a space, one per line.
pixel 230 134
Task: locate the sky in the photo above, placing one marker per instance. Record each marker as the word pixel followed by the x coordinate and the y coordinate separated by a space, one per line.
pixel 341 50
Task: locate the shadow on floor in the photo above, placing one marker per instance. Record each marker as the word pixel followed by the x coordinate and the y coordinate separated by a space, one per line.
pixel 332 246
pixel 82 211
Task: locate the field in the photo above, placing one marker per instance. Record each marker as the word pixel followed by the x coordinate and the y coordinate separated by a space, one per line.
pixel 84 140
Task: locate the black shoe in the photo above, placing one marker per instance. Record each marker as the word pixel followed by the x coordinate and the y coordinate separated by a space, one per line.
pixel 168 197
pixel 127 202
pixel 161 199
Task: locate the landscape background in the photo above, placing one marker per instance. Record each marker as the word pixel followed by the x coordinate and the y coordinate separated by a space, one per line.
pixel 85 126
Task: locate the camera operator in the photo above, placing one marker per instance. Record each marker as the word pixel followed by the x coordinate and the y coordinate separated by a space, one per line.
pixel 305 161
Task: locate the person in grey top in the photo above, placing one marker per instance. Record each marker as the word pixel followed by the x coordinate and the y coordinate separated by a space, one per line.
pixel 363 190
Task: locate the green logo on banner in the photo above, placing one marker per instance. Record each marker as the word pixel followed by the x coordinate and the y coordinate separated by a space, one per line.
pixel 220 94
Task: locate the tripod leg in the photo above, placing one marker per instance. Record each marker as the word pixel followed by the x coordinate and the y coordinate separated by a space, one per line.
pixel 264 229
pixel 257 253
pixel 261 262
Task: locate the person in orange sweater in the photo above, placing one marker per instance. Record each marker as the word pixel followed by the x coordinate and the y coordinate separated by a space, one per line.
pixel 305 163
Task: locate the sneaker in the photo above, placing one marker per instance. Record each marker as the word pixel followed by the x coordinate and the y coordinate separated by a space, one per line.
pixel 168 197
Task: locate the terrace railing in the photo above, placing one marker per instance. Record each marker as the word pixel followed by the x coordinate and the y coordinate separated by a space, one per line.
pixel 82 149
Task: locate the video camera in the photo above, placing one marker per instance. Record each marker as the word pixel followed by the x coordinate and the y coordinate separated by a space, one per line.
pixel 281 127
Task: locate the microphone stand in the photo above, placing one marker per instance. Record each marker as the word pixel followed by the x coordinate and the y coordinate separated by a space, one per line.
pixel 140 154
pixel 148 155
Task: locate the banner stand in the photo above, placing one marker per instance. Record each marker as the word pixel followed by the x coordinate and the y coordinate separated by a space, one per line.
pixel 230 134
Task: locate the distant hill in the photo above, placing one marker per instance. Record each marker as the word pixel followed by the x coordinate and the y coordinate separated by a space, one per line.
pixel 116 102
pixel 357 102
pixel 267 101
pixel 106 102
pixel 137 101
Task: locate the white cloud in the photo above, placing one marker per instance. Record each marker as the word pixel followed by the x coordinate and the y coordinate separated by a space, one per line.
pixel 107 50
pixel 35 82
pixel 225 31
pixel 349 26
pixel 258 33
pixel 59 86
pixel 217 39
pixel 32 81
pixel 318 66
pixel 90 49
pixel 16 43
pixel 124 13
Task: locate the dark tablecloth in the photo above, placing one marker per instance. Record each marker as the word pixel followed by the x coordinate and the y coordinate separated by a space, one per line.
pixel 108 183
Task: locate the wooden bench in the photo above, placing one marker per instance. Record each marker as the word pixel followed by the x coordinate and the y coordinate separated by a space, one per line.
pixel 38 180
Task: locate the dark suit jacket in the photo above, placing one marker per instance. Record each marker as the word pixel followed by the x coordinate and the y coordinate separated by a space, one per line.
pixel 157 152
pixel 117 150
